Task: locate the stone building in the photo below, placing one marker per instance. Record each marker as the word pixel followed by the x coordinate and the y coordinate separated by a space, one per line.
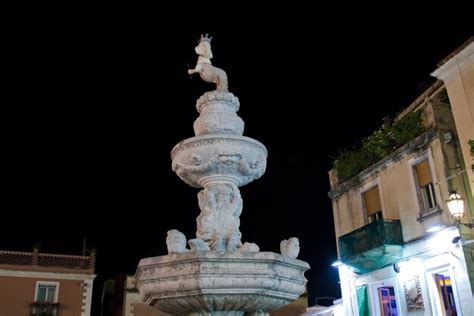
pixel 33 283
pixel 400 249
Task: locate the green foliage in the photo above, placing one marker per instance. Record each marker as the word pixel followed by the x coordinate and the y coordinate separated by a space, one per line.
pixel 350 162
pixel 471 143
pixel 378 145
pixel 407 128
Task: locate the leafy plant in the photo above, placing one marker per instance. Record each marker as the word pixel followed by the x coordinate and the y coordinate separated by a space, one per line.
pixel 407 128
pixel 379 145
pixel 350 163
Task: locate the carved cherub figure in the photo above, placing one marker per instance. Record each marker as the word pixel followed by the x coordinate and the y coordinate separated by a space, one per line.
pixel 251 169
pixel 176 242
pixel 249 247
pixel 198 245
pixel 290 248
pixel 206 70
pixel 218 224
pixel 196 167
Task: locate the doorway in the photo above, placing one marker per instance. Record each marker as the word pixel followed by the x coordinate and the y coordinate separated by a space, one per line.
pixel 387 301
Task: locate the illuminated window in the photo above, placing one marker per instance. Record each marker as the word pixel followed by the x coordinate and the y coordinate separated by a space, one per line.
pixel 425 185
pixel 372 204
pixel 387 300
pixel 445 292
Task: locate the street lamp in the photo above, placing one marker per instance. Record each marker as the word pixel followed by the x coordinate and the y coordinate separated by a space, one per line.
pixel 456 208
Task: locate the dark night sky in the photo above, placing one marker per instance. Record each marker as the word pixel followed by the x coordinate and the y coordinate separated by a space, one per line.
pixel 93 110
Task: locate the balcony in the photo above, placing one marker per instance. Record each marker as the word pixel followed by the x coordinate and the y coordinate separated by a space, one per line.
pixel 44 309
pixel 372 246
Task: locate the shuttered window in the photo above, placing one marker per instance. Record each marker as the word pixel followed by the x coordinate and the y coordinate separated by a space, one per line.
pixel 372 201
pixel 425 183
pixel 423 172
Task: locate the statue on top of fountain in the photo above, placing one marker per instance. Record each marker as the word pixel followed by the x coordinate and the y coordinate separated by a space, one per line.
pixel 204 67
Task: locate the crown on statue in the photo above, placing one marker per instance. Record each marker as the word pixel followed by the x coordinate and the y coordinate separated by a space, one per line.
pixel 206 38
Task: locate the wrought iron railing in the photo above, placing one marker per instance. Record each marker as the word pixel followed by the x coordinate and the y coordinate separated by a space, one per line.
pixel 44 309
pixel 371 236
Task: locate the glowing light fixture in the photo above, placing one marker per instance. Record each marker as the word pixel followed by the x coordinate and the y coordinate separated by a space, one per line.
pixel 337 263
pixel 456 208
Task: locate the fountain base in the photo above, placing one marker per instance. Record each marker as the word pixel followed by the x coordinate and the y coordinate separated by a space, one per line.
pixel 220 283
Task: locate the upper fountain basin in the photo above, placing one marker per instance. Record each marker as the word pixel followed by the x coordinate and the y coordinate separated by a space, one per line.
pixel 219 157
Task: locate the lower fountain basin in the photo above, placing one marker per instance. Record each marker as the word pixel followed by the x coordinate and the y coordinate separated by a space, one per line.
pixel 220 282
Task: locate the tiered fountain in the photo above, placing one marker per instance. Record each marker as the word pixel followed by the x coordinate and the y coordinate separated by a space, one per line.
pixel 219 275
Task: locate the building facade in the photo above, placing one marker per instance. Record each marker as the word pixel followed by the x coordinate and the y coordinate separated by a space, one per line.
pixel 457 73
pixel 33 283
pixel 402 253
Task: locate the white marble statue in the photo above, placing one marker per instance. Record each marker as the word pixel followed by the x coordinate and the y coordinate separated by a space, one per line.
pixel 206 70
pixel 249 247
pixel 219 276
pixel 196 167
pixel 176 242
pixel 219 221
pixel 290 248
pixel 251 169
pixel 198 245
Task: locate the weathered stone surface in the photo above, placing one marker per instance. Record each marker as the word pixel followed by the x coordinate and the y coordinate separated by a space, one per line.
pixel 205 158
pixel 211 281
pixel 218 114
pixel 219 164
pixel 219 276
pixel 219 221
pixel 206 70
pixel 290 247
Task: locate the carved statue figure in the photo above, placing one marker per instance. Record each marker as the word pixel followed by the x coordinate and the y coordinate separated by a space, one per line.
pixel 206 70
pixel 198 245
pixel 197 166
pixel 219 221
pixel 290 248
pixel 251 169
pixel 228 159
pixel 176 242
pixel 249 247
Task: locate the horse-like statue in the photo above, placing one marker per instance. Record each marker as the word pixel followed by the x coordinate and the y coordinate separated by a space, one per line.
pixel 206 70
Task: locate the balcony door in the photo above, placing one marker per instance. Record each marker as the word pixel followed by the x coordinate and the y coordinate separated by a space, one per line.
pixel 372 204
pixel 443 293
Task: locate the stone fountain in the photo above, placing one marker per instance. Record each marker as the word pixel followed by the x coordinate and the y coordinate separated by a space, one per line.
pixel 218 274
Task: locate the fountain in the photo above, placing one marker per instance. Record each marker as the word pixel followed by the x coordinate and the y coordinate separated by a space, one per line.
pixel 218 274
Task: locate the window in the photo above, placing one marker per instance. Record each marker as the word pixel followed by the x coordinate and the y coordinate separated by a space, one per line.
pixel 372 204
pixel 46 293
pixel 46 299
pixel 387 300
pixel 425 185
pixel 445 292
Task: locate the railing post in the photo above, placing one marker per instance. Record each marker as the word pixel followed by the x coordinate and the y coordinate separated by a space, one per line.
pixel 92 261
pixel 34 259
